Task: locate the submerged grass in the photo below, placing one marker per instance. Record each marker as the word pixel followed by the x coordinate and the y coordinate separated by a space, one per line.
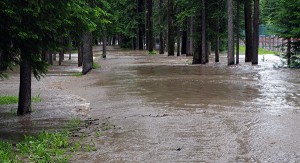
pixel 46 147
pixel 96 66
pixel 5 100
pixel 153 52
pixel 77 74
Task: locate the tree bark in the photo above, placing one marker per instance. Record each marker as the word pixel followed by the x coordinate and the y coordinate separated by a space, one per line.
pixel 230 33
pixel 50 61
pixel 24 104
pixel 171 40
pixel 161 34
pixel 248 30
pixel 4 60
pixel 104 46
pixel 70 48
pixel 217 48
pixel 161 43
pixel 87 51
pixel 178 40
pixel 147 24
pixel 190 40
pixel 61 57
pixel 150 25
pixel 203 37
pixel 80 55
pixel 238 32
pixel 256 33
pixel 197 57
pixel 114 40
pixel 289 51
pixel 184 42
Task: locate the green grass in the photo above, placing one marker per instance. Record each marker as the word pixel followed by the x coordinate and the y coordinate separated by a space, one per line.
pixel 153 52
pixel 5 100
pixel 260 51
pixel 77 74
pixel 96 66
pixel 74 124
pixel 46 147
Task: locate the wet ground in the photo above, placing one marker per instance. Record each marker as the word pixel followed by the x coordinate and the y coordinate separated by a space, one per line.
pixel 163 109
pixel 53 113
pixel 166 110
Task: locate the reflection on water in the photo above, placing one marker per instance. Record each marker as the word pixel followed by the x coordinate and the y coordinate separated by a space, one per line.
pixel 213 112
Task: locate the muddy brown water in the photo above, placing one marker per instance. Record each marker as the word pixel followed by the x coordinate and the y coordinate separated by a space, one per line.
pixel 164 109
pixel 53 113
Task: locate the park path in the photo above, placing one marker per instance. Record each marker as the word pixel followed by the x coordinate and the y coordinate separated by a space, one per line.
pixel 163 109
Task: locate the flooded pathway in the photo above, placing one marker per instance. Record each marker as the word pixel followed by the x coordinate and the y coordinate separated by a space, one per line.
pixel 164 109
pixel 155 108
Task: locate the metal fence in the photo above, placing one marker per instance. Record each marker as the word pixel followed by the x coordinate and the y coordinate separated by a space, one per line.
pixel 269 40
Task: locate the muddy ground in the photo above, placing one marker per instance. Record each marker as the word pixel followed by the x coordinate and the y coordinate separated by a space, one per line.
pixel 163 109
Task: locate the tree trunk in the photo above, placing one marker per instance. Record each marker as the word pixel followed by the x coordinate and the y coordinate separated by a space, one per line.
pixel 248 30
pixel 171 40
pixel 24 104
pixel 217 48
pixel 289 51
pixel 104 46
pixel 44 55
pixel 87 62
pixel 4 59
pixel 230 33
pixel 161 34
pixel 150 25
pixel 178 40
pixel 197 57
pixel 190 40
pixel 80 55
pixel 238 32
pixel 161 43
pixel 184 42
pixel 147 24
pixel 203 33
pixel 3 66
pixel 50 57
pixel 114 40
pixel 256 32
pixel 61 57
pixel 70 48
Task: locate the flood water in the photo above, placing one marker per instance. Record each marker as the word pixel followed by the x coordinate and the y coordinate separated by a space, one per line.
pixel 53 113
pixel 167 110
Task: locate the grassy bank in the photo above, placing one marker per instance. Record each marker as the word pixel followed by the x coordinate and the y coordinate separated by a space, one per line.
pixel 261 51
pixel 5 100
pixel 47 146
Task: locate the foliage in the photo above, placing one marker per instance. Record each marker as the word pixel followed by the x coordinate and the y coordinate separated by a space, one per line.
pixel 287 18
pixel 30 27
